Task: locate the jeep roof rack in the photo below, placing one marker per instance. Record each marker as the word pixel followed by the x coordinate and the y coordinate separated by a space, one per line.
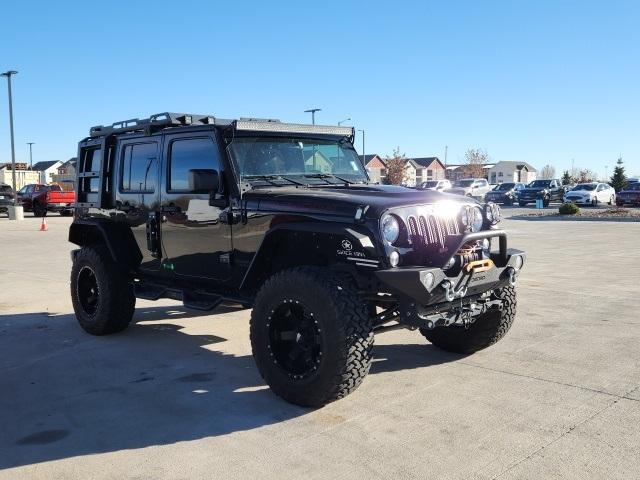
pixel 155 122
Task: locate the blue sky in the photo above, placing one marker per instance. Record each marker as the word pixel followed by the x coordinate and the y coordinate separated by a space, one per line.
pixel 538 81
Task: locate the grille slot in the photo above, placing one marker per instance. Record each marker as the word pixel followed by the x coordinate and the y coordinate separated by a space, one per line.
pixel 431 230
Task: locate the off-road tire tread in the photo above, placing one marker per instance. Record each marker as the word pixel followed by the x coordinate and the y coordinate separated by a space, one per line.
pixel 354 329
pixel 117 298
pixel 488 328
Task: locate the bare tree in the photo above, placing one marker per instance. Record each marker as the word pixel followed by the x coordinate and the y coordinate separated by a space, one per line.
pixel 548 172
pixel 475 160
pixel 586 176
pixel 396 167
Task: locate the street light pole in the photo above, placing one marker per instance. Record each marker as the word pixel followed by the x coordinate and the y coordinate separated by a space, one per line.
pixel 8 74
pixel 313 111
pixel 30 154
pixel 345 120
pixel 364 159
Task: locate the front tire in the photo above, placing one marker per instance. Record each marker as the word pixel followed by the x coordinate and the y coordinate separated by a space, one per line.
pixel 101 292
pixel 311 336
pixel 487 329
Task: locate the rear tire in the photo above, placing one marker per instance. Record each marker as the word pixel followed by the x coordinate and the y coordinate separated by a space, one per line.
pixel 39 210
pixel 487 329
pixel 101 292
pixel 311 336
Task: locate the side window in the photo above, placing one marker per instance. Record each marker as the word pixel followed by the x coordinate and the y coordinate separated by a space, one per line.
pixel 190 154
pixel 138 170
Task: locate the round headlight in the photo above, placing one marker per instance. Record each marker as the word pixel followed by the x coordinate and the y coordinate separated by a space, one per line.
pixel 471 218
pixel 477 219
pixel 492 212
pixel 390 228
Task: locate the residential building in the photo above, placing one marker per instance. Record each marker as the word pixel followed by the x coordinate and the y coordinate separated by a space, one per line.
pixel 510 171
pixel 23 176
pixel 66 172
pixel 376 168
pixel 427 168
pixel 46 169
pixel 461 170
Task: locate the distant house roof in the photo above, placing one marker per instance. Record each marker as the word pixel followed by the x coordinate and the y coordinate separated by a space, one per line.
pixel 425 162
pixel 41 166
pixel 516 165
pixel 367 158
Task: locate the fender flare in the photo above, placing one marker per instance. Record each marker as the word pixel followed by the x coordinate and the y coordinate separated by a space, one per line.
pixel 309 243
pixel 116 236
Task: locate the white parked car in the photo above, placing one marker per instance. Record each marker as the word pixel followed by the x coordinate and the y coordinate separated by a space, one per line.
pixel 591 194
pixel 437 185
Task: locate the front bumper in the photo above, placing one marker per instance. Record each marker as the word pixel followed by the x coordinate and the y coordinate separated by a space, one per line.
pixel 431 285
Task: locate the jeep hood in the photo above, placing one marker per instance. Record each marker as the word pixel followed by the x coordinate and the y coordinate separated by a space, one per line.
pixel 342 201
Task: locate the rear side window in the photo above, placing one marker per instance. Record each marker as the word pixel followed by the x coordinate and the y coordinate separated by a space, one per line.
pixel 138 171
pixel 92 160
pixel 190 154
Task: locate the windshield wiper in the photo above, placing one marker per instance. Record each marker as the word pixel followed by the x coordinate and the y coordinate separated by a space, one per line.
pixel 271 178
pixel 324 177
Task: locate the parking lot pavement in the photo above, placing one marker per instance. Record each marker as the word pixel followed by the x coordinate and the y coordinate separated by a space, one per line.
pixel 177 394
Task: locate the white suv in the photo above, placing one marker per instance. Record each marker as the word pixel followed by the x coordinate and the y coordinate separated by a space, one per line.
pixel 470 187
pixel 437 185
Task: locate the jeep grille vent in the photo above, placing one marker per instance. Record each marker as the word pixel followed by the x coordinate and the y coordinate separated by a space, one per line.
pixel 431 230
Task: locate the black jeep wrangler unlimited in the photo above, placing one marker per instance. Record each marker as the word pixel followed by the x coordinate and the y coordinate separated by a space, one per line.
pixel 282 218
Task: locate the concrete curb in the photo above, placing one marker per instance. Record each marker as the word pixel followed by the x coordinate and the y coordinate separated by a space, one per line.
pixel 573 218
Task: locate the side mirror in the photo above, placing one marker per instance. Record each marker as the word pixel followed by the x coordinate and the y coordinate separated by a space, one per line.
pixel 203 180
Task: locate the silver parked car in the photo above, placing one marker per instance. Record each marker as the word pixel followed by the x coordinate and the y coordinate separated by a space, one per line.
pixel 470 187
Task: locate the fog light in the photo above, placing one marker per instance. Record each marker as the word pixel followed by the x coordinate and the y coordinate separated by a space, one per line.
pixel 394 259
pixel 519 262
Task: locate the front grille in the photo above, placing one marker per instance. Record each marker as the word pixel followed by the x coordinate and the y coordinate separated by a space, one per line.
pixel 431 230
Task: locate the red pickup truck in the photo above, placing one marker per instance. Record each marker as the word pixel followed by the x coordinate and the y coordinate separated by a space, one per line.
pixel 41 199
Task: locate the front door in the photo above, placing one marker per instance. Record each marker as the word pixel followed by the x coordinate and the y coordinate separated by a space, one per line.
pixel 196 243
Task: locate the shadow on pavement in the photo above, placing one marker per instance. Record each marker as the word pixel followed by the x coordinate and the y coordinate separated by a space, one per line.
pixel 64 393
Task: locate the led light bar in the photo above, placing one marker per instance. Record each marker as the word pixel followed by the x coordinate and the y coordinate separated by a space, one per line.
pixel 260 126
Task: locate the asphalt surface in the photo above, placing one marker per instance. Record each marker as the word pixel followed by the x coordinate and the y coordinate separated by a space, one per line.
pixel 177 395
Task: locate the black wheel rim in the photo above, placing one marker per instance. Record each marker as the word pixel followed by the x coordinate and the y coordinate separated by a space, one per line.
pixel 295 340
pixel 88 291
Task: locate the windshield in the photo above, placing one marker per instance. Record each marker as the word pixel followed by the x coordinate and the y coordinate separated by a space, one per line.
pixel 463 183
pixel 5 189
pixel 260 156
pixel 634 186
pixel 539 184
pixel 431 184
pixel 504 186
pixel 585 186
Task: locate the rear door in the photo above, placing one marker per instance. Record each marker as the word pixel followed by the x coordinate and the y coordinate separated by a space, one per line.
pixel 195 236
pixel 137 197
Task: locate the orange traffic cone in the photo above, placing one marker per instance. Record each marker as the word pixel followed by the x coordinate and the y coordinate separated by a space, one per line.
pixel 43 225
